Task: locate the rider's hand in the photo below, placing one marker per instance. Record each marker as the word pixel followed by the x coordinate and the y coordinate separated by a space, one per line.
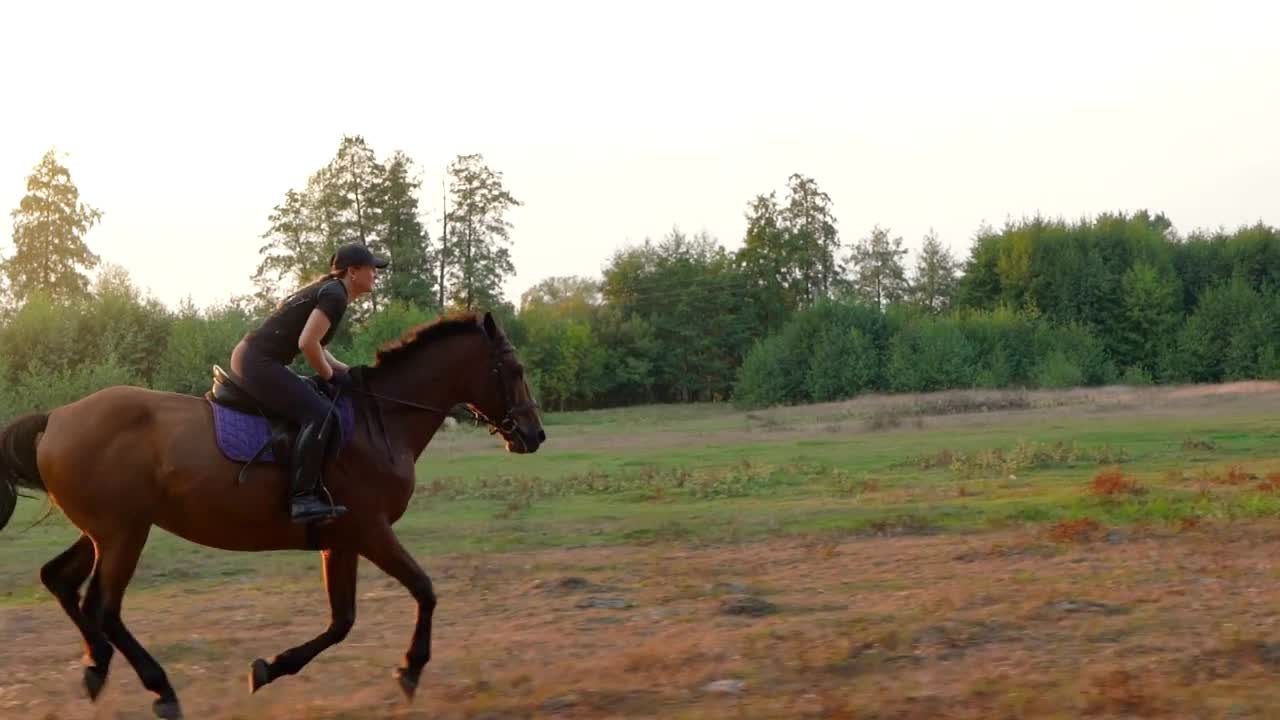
pixel 340 378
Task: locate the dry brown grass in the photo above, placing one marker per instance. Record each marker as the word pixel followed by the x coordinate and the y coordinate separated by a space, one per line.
pixel 1075 531
pixel 1113 482
pixel 1271 483
pixel 1122 693
pixel 990 626
pixel 1231 475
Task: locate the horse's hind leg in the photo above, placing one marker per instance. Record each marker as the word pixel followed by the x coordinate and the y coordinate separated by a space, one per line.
pixel 63 576
pixel 117 559
pixel 340 581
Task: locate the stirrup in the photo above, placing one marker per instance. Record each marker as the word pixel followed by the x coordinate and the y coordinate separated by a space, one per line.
pixel 308 507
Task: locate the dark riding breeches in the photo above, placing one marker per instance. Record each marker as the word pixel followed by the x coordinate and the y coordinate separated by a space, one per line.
pixel 279 389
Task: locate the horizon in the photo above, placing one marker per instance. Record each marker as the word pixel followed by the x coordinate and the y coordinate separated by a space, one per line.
pixel 910 117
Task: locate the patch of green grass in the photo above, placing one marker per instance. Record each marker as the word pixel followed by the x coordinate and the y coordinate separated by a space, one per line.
pixel 629 482
pixel 705 416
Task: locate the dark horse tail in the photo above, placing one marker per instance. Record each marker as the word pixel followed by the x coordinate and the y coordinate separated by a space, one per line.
pixel 18 461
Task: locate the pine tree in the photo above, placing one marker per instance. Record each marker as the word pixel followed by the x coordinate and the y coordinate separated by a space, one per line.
pixel 49 225
pixel 934 283
pixel 878 276
pixel 809 219
pixel 409 277
pixel 479 258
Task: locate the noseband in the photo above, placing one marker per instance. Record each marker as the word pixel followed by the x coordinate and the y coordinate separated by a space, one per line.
pixel 507 424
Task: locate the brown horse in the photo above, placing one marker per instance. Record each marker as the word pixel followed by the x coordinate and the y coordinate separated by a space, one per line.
pixel 125 458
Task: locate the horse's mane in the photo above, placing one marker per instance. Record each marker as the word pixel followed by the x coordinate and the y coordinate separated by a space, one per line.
pixel 449 325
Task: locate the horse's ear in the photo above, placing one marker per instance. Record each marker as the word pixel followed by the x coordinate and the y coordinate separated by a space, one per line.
pixel 491 327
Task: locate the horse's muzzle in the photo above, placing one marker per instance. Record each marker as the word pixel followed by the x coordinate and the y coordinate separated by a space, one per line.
pixel 523 442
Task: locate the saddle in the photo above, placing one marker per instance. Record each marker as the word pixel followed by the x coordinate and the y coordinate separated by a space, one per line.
pixel 228 392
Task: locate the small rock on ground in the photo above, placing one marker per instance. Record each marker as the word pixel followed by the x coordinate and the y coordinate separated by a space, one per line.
pixel 562 702
pixel 728 588
pixel 608 603
pixel 748 605
pixel 725 687
pixel 1078 606
pixel 571 584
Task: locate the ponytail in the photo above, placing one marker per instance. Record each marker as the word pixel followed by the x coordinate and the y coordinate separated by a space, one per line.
pixel 334 272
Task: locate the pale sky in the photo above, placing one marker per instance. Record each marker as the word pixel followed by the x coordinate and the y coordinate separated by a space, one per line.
pixel 186 123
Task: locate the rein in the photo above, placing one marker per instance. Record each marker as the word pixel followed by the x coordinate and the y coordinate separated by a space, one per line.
pixel 398 401
pixel 507 423
pixel 377 413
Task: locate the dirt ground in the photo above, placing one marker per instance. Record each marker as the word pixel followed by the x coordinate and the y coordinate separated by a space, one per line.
pixel 1158 622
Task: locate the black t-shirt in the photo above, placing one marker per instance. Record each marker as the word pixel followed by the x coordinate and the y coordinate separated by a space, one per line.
pixel 277 337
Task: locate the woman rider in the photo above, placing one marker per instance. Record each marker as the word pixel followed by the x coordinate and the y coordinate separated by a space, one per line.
pixel 305 322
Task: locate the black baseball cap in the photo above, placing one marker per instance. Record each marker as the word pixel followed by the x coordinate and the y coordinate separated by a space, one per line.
pixel 353 254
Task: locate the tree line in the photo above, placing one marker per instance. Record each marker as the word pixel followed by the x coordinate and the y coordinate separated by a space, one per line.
pixel 794 315
pixel 357 197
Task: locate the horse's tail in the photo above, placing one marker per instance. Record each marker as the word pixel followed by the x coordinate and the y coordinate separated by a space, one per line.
pixel 18 461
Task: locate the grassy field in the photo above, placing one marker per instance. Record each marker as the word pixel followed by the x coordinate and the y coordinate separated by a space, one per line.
pixel 903 535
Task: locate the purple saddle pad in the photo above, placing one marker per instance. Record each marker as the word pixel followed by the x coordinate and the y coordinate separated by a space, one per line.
pixel 240 435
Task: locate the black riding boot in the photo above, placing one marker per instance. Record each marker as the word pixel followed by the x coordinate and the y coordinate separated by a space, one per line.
pixel 308 457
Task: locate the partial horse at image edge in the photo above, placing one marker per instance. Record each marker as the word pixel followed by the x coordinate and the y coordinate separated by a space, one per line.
pixel 18 457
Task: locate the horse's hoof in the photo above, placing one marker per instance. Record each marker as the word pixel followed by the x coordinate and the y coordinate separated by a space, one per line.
pixel 259 675
pixel 94 679
pixel 407 684
pixel 168 710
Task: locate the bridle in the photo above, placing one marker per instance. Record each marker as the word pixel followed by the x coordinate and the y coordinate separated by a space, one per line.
pixel 506 425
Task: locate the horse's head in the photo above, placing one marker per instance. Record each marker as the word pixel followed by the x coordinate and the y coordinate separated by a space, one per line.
pixel 503 397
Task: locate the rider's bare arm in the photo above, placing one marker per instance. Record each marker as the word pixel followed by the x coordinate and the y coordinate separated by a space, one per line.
pixel 335 363
pixel 309 343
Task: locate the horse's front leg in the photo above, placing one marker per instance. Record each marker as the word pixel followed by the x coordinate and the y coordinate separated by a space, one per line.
pixel 340 582
pixel 383 549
